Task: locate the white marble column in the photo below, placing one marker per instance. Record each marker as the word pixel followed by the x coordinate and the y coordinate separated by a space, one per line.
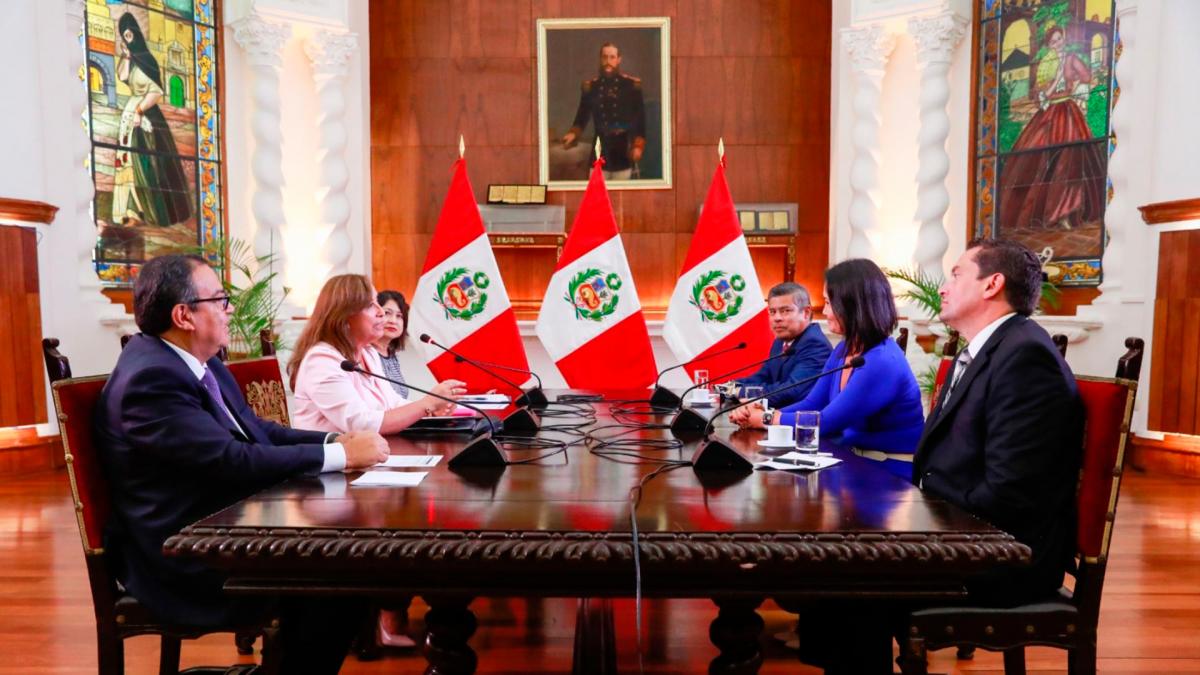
pixel 869 48
pixel 936 38
pixel 263 42
pixel 1124 166
pixel 330 52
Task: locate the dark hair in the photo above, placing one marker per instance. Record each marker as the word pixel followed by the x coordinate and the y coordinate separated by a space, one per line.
pixel 138 51
pixel 793 289
pixel 862 300
pixel 163 282
pixel 1020 267
pixel 609 44
pixel 397 297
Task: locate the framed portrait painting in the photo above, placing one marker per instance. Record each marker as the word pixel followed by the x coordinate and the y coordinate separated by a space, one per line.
pixel 606 81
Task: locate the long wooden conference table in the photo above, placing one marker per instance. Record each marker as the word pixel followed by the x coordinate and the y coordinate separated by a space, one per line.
pixel 561 527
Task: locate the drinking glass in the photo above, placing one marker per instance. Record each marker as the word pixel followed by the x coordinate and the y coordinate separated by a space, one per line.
pixel 807 432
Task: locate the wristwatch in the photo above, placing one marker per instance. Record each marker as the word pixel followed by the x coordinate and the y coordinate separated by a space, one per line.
pixel 768 418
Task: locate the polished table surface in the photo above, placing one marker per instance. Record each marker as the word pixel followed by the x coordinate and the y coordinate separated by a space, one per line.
pixel 561 527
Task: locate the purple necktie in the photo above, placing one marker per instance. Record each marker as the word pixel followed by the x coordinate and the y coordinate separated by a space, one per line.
pixel 210 383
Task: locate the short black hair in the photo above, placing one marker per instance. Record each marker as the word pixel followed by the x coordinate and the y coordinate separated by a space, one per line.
pixel 397 297
pixel 799 294
pixel 162 283
pixel 862 300
pixel 1020 266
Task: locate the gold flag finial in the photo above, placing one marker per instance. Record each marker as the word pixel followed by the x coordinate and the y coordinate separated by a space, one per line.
pixel 597 146
pixel 462 146
pixel 721 148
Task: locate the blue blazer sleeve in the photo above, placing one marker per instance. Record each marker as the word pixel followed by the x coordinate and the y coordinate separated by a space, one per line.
pixel 763 376
pixel 169 422
pixel 811 353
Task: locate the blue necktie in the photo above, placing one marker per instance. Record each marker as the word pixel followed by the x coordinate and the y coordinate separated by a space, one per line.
pixel 210 384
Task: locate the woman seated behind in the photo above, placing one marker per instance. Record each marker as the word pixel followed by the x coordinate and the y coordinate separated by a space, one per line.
pixel 345 324
pixel 876 406
pixel 395 334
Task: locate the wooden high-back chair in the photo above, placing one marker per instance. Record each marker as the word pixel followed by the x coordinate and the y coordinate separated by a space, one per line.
pixel 119 615
pixel 262 384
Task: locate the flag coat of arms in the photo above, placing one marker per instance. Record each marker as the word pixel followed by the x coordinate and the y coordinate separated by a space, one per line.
pixel 717 301
pixel 460 299
pixel 591 321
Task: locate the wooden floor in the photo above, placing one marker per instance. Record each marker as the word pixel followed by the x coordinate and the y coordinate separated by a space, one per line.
pixel 1150 619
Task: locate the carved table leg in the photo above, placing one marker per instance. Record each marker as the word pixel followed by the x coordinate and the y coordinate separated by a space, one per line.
pixel 595 638
pixel 449 624
pixel 736 632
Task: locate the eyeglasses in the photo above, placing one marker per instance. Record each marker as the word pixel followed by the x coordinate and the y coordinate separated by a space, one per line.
pixel 223 299
pixel 389 314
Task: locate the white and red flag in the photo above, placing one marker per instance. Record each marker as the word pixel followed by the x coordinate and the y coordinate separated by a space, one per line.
pixel 591 321
pixel 717 301
pixel 460 299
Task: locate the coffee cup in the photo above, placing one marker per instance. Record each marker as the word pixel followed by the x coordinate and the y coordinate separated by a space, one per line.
pixel 779 434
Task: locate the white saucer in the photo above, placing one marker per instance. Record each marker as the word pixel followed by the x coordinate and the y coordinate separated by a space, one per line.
pixel 785 444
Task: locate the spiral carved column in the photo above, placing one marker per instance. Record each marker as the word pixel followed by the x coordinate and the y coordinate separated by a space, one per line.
pixel 1123 165
pixel 936 37
pixel 263 41
pixel 329 53
pixel 869 48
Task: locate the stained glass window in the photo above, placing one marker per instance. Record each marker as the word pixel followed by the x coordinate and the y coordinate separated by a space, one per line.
pixel 154 123
pixel 1042 137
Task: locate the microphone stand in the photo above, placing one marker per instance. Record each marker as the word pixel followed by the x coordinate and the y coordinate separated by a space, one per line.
pixel 482 451
pixel 714 454
pixel 665 398
pixel 533 398
pixel 520 421
pixel 688 424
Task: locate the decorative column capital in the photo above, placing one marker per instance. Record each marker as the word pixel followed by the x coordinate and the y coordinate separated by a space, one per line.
pixel 330 52
pixel 869 46
pixel 937 35
pixel 262 40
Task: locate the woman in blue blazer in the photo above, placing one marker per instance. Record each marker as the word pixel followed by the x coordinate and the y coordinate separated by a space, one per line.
pixel 878 405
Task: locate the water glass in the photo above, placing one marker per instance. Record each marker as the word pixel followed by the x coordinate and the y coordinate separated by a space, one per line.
pixel 700 378
pixel 807 430
pixel 751 392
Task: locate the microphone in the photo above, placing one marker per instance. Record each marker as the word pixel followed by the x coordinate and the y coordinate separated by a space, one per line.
pixel 715 454
pixel 481 451
pixel 781 355
pixel 665 398
pixel 534 398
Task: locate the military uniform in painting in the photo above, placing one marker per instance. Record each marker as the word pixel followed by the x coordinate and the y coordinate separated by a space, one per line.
pixel 613 102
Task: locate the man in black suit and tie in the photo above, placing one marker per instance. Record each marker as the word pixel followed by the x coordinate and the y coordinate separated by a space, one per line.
pixel 1005 439
pixel 179 443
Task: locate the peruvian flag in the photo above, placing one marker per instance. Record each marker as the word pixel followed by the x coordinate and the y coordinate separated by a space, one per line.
pixel 460 300
pixel 717 301
pixel 591 321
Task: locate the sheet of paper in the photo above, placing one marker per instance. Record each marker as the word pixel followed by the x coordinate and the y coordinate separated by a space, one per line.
pixel 390 479
pixel 485 398
pixel 411 461
pixel 796 461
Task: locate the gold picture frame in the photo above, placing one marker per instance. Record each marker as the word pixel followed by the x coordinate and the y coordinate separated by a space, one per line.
pixel 571 80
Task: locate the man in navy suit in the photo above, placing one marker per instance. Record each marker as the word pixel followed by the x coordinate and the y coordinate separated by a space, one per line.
pixel 179 443
pixel 790 310
pixel 1005 439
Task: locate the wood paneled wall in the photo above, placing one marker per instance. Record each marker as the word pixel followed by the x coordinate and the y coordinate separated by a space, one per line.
pixel 1175 356
pixel 753 71
pixel 22 385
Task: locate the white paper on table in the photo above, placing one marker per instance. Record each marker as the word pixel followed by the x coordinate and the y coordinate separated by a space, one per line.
pixel 798 461
pixel 485 398
pixel 390 479
pixel 484 406
pixel 411 461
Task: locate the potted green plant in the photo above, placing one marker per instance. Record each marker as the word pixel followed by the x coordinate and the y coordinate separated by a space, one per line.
pixel 248 279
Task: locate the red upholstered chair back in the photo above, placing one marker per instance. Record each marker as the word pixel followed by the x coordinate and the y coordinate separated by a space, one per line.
pixel 942 372
pixel 1108 409
pixel 75 400
pixel 262 384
